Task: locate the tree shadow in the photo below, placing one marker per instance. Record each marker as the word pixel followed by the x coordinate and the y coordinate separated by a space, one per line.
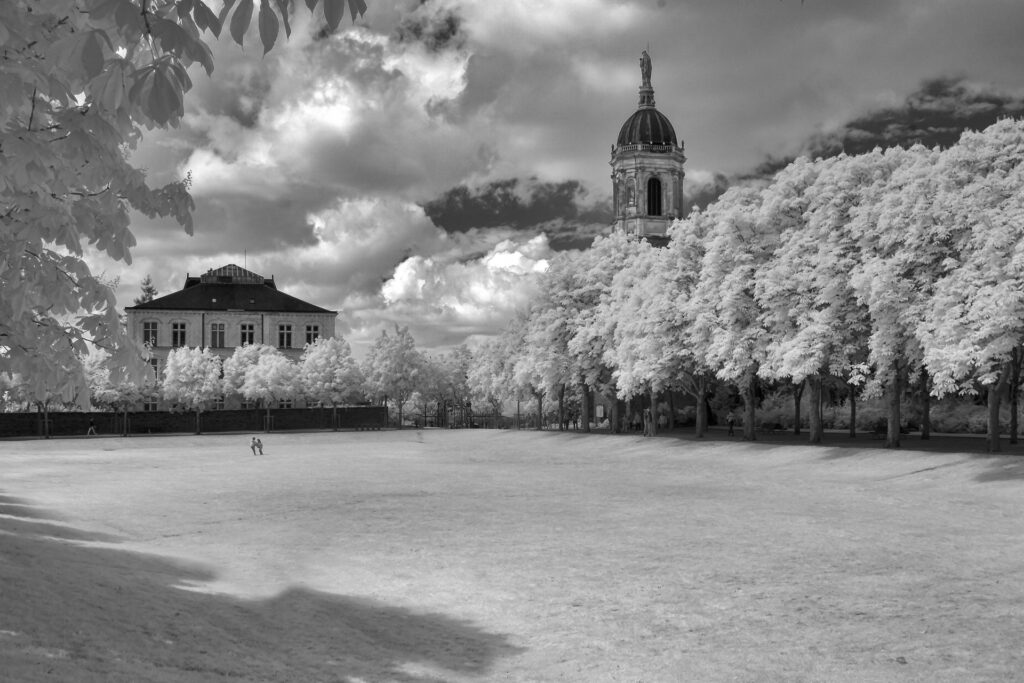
pixel 1003 469
pixel 70 610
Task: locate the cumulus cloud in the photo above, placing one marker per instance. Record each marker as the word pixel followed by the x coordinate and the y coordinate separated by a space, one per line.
pixel 445 300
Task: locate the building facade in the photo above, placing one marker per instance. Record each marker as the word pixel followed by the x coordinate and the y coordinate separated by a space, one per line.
pixel 223 309
pixel 647 169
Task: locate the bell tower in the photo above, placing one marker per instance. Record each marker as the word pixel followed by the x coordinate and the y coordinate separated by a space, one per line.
pixel 647 169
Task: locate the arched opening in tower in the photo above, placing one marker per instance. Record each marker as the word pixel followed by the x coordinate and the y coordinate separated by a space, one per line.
pixel 653 197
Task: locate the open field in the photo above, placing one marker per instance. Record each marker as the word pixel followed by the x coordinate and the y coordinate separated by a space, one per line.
pixel 506 556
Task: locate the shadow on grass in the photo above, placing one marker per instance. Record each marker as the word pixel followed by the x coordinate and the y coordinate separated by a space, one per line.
pixel 1003 469
pixel 1005 465
pixel 73 611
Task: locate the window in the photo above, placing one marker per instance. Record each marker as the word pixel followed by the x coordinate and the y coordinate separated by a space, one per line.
pixel 312 333
pixel 246 334
pixel 149 329
pixel 248 404
pixel 177 334
pixel 286 403
pixel 284 336
pixel 653 197
pixel 217 335
pixel 218 402
pixel 155 364
pixel 150 405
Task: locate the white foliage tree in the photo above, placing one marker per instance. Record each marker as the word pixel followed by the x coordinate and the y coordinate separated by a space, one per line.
pixel 239 362
pixel 271 378
pixel 903 246
pixel 726 314
pixel 648 319
pixel 328 373
pixel 394 368
pixel 973 325
pixel 192 379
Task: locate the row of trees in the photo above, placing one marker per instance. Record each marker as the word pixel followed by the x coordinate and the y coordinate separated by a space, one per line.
pixel 877 272
pixel 395 373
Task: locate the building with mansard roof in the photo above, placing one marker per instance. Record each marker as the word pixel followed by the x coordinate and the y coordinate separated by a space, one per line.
pixel 225 308
pixel 647 169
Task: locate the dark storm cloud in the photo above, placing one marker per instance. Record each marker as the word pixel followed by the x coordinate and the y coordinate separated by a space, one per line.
pixel 555 209
pixel 437 28
pixel 486 76
pixel 933 115
pixel 504 202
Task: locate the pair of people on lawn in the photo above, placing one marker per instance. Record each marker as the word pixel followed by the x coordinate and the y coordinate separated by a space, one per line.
pixel 256 445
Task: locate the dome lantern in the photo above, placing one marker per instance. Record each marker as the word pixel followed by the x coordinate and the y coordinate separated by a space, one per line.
pixel 647 168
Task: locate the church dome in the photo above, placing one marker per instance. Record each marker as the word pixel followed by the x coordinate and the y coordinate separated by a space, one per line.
pixel 647 126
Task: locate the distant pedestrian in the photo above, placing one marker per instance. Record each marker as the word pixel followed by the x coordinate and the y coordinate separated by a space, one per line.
pixel 92 428
pixel 252 445
pixel 730 420
pixel 648 423
pixel 636 422
pixel 259 445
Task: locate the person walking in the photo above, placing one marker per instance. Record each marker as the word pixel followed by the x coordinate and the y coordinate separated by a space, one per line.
pixel 648 423
pixel 730 420
pixel 252 445
pixel 92 428
pixel 259 445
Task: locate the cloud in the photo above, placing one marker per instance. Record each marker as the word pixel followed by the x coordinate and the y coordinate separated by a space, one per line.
pixel 436 27
pixel 935 114
pixel 560 210
pixel 444 300
pixel 701 188
pixel 512 202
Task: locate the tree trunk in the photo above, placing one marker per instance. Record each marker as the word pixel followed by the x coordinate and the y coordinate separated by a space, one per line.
pixel 798 394
pixel 615 421
pixel 44 418
pixel 561 407
pixel 892 435
pixel 995 393
pixel 266 418
pixel 816 429
pixel 853 411
pixel 334 416
pixel 1014 393
pixel 702 406
pixel 926 407
pixel 540 410
pixel 749 407
pixel 198 425
pixel 654 413
pixel 671 410
pixel 585 406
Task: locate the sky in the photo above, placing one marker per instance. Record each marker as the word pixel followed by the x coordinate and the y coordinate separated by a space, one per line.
pixel 421 166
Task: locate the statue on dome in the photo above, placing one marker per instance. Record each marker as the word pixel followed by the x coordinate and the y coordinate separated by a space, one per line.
pixel 645 68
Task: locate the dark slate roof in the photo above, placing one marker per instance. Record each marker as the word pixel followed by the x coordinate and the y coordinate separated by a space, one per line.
pixel 647 126
pixel 230 288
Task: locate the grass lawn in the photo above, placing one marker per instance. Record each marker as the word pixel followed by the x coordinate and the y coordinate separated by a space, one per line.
pixel 506 556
